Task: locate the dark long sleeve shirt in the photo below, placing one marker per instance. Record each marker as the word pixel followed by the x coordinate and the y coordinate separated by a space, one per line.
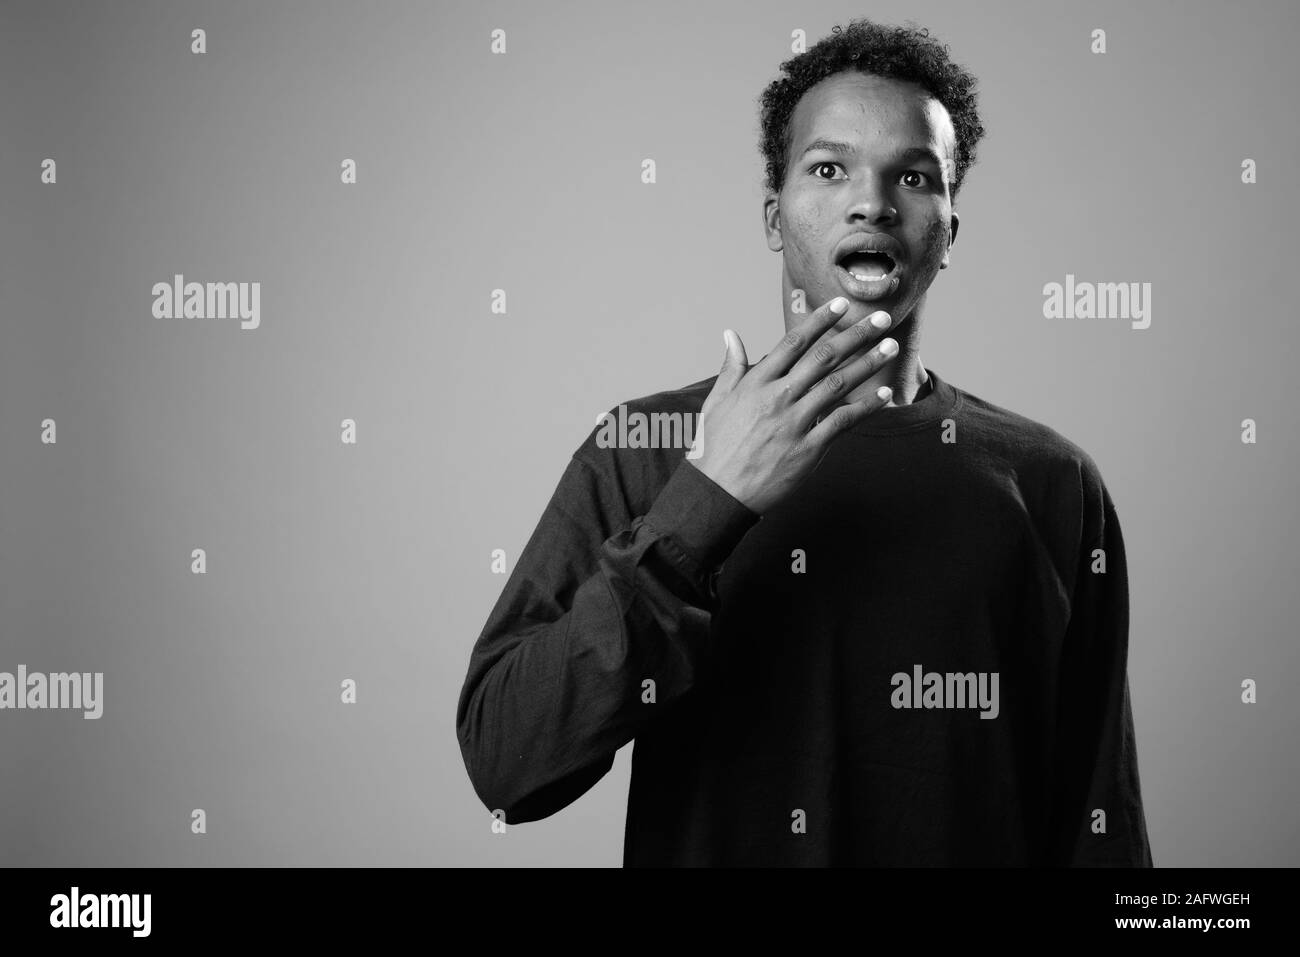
pixel 917 658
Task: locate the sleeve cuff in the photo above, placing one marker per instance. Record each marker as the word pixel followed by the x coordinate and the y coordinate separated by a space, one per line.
pixel 700 516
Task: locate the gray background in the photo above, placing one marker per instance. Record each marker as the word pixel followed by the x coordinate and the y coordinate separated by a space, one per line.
pixel 521 172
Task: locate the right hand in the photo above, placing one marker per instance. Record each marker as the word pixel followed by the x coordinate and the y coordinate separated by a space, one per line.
pixel 762 431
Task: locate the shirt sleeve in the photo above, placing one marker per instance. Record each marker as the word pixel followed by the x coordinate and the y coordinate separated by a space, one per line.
pixel 599 602
pixel 1095 764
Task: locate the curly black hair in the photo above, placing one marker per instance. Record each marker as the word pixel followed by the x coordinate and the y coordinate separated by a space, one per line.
pixel 901 53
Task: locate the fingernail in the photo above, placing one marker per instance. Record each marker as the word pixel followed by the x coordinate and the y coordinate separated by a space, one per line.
pixel 839 305
pixel 888 347
pixel 880 320
pixel 884 392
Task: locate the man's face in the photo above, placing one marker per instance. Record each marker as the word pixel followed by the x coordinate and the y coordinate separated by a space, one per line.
pixel 856 166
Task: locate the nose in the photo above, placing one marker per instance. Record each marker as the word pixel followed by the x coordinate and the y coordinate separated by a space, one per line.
pixel 872 202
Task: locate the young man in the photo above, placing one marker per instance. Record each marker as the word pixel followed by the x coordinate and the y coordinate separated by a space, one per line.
pixel 859 626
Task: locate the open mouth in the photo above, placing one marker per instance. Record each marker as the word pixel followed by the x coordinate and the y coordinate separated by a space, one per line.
pixel 867 266
pixel 868 275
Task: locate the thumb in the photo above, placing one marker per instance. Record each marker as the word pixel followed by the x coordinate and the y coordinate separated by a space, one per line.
pixel 734 363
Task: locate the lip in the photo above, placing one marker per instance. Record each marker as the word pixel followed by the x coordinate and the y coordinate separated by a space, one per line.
pixel 869 243
pixel 868 289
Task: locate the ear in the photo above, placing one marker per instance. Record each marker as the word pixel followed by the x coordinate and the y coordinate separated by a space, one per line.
pixel 954 222
pixel 772 221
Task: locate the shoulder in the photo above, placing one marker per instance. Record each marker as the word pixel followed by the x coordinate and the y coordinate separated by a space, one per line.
pixel 1058 480
pixel 658 420
pixel 1032 448
pixel 687 398
pixel 637 444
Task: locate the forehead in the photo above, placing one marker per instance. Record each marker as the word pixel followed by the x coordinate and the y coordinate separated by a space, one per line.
pixel 871 111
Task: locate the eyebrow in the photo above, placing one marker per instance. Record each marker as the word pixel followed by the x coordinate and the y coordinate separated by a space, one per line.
pixel 844 149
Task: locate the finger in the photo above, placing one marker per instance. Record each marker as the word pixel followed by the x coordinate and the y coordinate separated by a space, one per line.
pixel 734 366
pixel 834 353
pixel 799 339
pixel 845 417
pixel 838 383
pixel 840 403
pixel 736 363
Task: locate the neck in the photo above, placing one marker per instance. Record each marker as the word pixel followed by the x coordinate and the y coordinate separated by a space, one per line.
pixel 905 374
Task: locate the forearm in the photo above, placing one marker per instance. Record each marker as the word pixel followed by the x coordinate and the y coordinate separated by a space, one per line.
pixel 560 678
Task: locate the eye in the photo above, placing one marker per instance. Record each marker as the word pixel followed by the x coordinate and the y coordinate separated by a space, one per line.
pixel 913 172
pixel 819 166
